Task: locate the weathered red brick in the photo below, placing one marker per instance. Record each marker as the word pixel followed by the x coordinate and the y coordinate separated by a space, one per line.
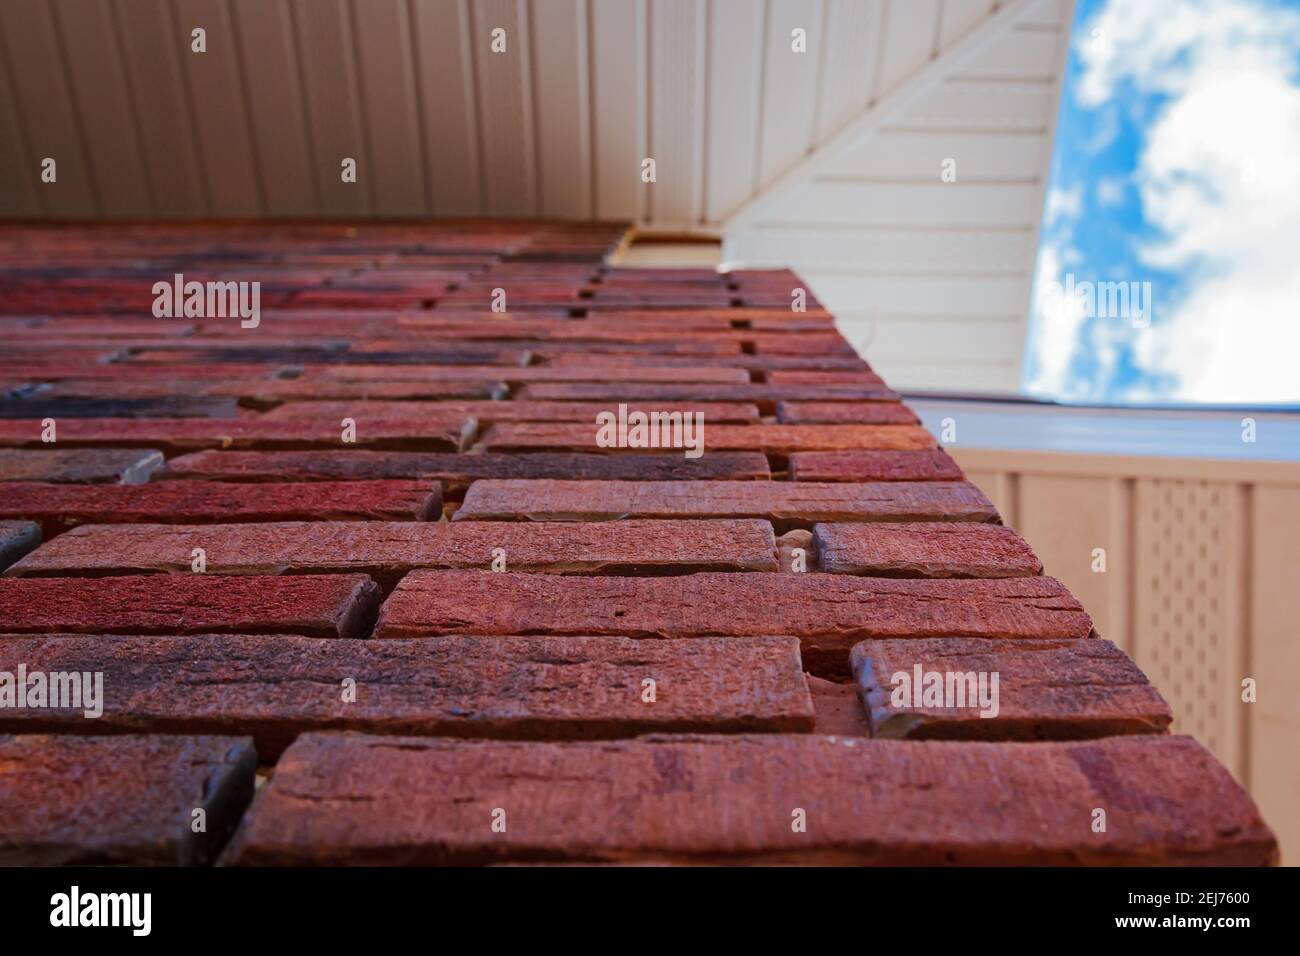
pixel 77 801
pixel 125 465
pixel 359 799
pixel 17 538
pixel 828 612
pixel 261 392
pixel 596 372
pixel 276 687
pixel 59 507
pixel 764 396
pixel 1047 690
pixel 782 501
pixel 929 465
pixel 823 377
pixel 434 432
pixel 486 413
pixel 924 550
pixel 337 605
pixel 771 439
pixel 456 472
pixel 387 550
pixel 845 413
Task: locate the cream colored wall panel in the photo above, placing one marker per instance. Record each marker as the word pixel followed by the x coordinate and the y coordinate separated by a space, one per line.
pixel 103 103
pixel 910 32
pixel 984 104
pixel 790 85
pixel 560 75
pixel 1048 13
pixel 917 154
pixel 1274 662
pixel 19 174
pixel 218 97
pixel 676 143
pixel 955 376
pixel 445 80
pixel 735 65
pixel 1190 547
pixel 908 205
pixel 937 337
pixel 1065 519
pixel 959 17
pixel 971 296
pixel 325 44
pixel 505 108
pixel 51 126
pixel 925 251
pixel 849 67
pixel 619 89
pixel 1020 53
pixel 275 97
pixel 386 75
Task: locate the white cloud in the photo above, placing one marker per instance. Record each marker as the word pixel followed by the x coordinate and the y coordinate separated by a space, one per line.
pixel 1110 191
pixel 1057 324
pixel 1062 203
pixel 1219 176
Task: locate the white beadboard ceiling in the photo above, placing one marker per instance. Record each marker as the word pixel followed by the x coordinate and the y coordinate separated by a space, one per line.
pixel 827 161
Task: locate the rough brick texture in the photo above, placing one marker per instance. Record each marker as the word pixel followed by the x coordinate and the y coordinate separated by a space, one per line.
pixel 1047 690
pixel 933 465
pixel 322 605
pixel 776 500
pixel 79 465
pixel 389 549
pixel 927 550
pixel 70 800
pixel 275 687
pixel 58 507
pixel 711 799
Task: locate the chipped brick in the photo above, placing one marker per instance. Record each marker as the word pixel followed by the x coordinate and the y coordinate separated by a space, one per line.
pixel 79 465
pixel 77 801
pixel 1047 690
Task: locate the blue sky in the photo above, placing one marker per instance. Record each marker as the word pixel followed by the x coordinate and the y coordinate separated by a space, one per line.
pixel 1176 180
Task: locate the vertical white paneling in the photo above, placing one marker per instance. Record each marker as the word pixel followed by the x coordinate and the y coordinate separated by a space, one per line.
pixel 852 48
pixel 19 180
pixel 907 40
pixel 36 68
pixel 505 108
pixel 445 74
pixel 959 17
pixel 381 32
pixel 560 76
pixel 618 69
pixel 104 106
pixel 677 35
pixel 265 34
pixel 789 86
pixel 217 97
pixel 735 63
pixel 152 46
pixel 326 50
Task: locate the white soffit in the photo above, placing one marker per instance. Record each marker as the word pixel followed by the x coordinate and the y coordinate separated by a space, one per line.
pixel 930 280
